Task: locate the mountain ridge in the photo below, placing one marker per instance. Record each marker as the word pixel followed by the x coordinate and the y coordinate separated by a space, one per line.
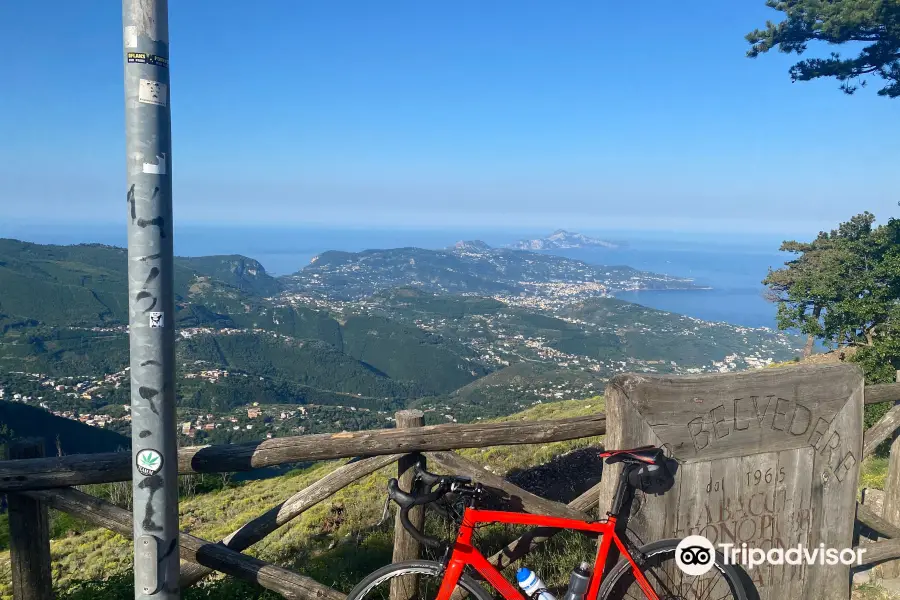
pixel 86 284
pixel 562 239
pixel 468 267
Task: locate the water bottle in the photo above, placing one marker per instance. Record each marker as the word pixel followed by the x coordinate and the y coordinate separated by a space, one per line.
pixel 532 585
pixel 578 582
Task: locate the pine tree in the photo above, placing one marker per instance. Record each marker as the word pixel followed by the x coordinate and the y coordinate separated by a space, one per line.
pixel 844 289
pixel 872 25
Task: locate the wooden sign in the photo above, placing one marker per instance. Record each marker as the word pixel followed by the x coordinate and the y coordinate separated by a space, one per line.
pixel 769 458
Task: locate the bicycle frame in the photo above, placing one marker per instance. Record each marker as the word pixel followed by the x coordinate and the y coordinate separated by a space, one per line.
pixel 464 553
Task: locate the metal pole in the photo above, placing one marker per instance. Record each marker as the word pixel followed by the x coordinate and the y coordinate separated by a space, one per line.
pixel 151 305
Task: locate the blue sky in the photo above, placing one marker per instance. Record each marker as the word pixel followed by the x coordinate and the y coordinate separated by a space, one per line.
pixel 585 115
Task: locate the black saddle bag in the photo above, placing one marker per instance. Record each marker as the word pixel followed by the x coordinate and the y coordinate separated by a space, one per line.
pixel 653 479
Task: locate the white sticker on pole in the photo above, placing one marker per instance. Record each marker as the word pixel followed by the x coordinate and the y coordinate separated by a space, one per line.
pixel 149 462
pixel 130 36
pixel 152 92
pixel 156 169
pixel 157 320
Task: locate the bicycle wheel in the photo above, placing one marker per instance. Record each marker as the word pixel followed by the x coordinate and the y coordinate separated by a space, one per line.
pixel 722 582
pixel 415 580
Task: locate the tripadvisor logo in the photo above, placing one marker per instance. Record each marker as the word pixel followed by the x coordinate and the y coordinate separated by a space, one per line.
pixel 695 555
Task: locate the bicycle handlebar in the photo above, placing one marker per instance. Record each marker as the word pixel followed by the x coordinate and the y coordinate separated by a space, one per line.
pixel 407 501
pixel 431 479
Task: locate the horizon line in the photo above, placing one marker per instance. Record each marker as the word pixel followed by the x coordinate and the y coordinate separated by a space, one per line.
pixel 8 228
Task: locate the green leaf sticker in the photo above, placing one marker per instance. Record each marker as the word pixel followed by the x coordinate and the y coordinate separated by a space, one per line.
pixel 149 461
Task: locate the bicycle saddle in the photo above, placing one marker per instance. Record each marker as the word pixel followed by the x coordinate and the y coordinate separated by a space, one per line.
pixel 650 455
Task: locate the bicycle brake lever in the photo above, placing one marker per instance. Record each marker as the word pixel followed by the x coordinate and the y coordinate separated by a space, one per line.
pixel 386 512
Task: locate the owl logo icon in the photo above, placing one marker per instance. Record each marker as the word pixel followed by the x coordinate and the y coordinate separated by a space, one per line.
pixel 156 320
pixel 695 555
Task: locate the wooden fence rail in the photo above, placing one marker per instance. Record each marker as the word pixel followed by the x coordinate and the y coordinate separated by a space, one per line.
pixel 73 470
pixel 193 549
pixel 82 469
pixel 882 392
pixel 882 430
pixel 865 516
pixel 46 482
pixel 260 527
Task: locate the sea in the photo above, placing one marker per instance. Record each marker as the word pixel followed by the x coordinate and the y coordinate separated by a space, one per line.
pixel 732 266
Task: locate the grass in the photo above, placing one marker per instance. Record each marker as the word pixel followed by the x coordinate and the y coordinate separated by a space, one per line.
pixel 503 459
pixel 873 472
pixel 312 544
pixel 871 591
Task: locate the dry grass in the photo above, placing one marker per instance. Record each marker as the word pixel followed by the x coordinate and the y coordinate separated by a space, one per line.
pixel 873 472
pixel 871 591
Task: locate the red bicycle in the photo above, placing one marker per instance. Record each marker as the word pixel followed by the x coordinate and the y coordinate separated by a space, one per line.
pixel 650 571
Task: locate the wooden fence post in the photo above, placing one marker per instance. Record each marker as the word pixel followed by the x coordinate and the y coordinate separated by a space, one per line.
pixel 891 570
pixel 29 534
pixel 405 547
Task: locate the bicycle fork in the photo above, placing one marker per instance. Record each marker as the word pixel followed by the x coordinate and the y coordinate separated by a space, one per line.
pixel 603 549
pixel 462 554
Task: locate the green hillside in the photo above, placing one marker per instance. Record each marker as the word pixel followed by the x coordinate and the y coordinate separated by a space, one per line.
pixel 87 284
pixel 245 274
pixel 649 334
pixel 417 301
pixel 224 397
pixel 306 362
pixel 55 296
pixel 606 331
pixel 224 308
pixel 408 353
pixel 510 390
pixel 302 322
pixel 61 351
pixel 67 435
